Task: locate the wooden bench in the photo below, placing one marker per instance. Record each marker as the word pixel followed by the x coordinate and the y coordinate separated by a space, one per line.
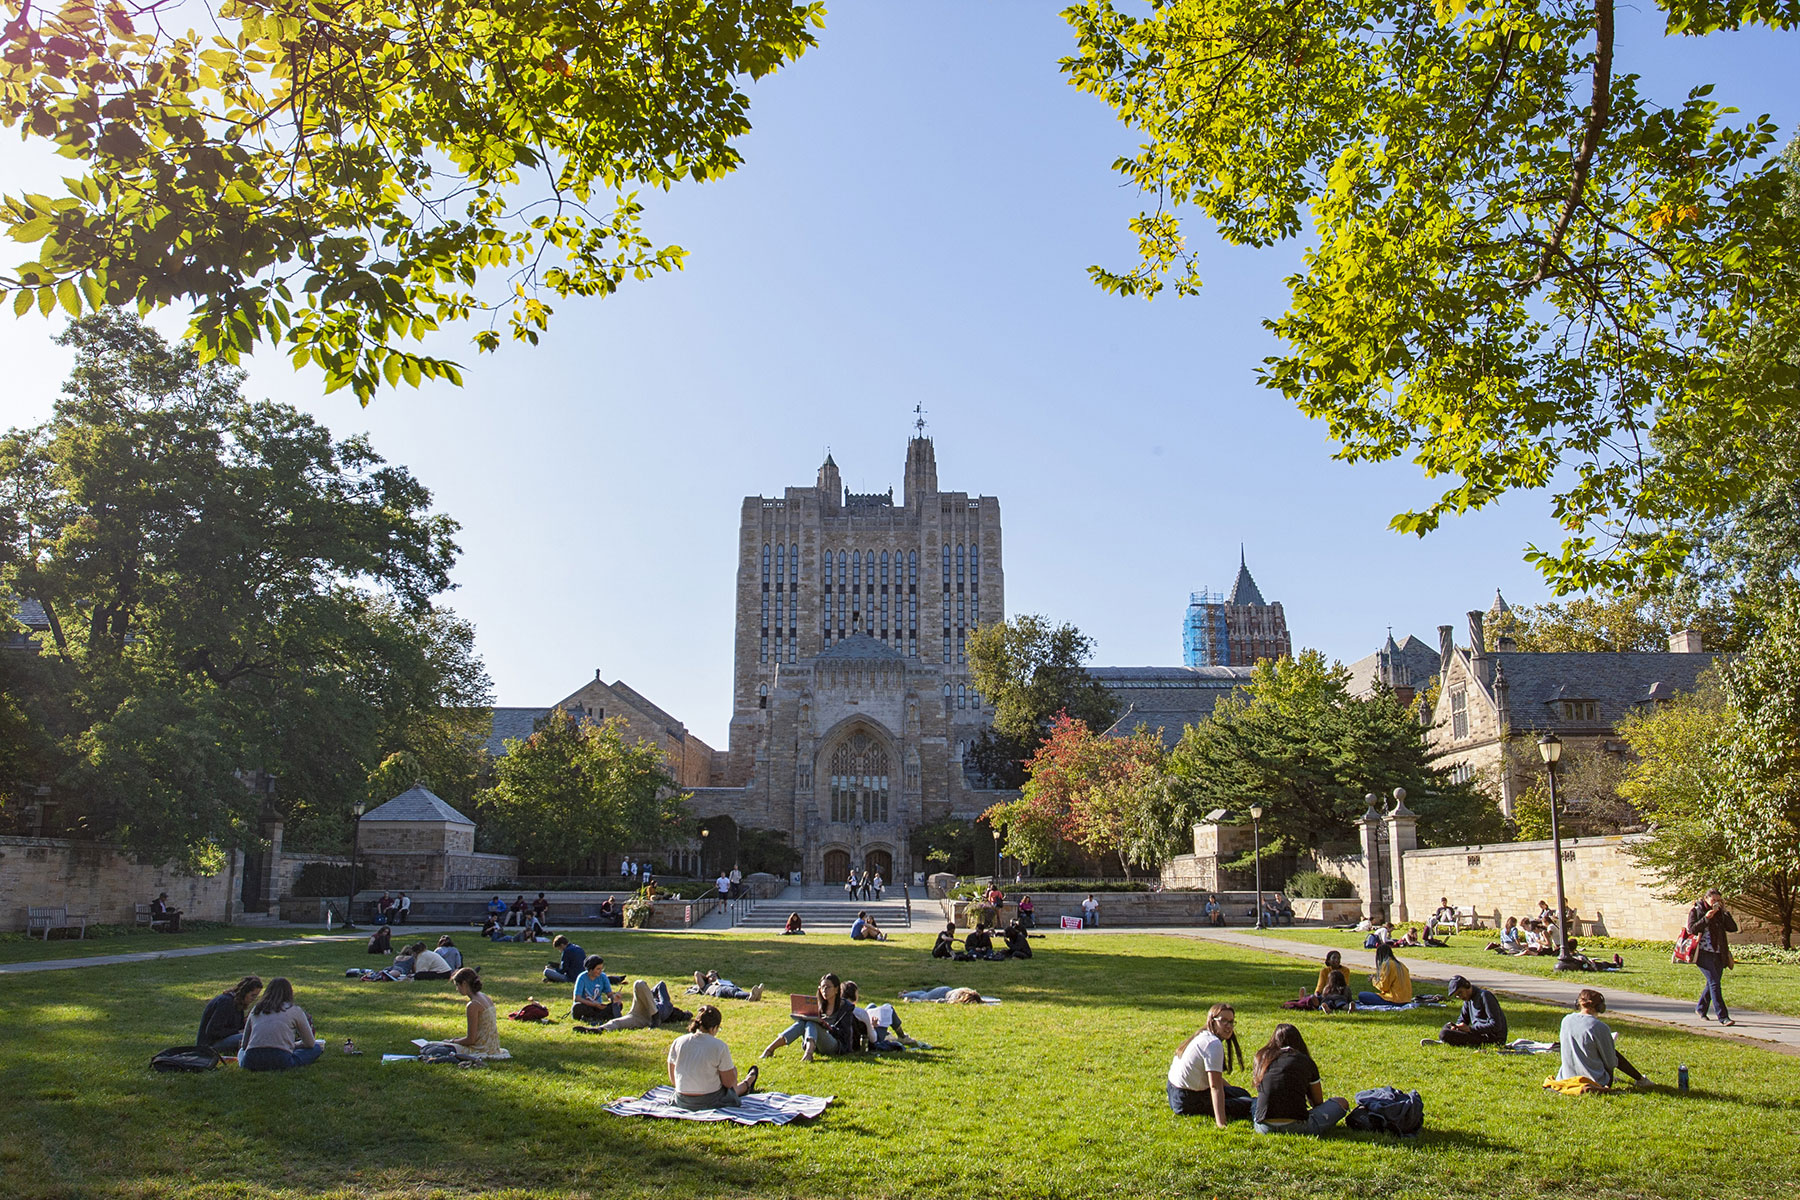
pixel 146 917
pixel 58 917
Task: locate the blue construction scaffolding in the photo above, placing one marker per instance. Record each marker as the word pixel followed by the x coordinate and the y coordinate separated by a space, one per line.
pixel 1204 642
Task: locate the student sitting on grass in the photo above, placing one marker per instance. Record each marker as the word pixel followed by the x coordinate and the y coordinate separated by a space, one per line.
pixel 278 1036
pixel 1392 981
pixel 945 946
pixel 818 1035
pixel 1018 943
pixel 1590 964
pixel 593 991
pixel 877 1020
pixel 1197 1086
pixel 980 943
pixel 794 924
pixel 381 941
pixel 428 964
pixel 1333 988
pixel 448 952
pixel 1482 1022
pixel 483 1036
pixel 708 983
pixel 1289 1096
pixel 700 1066
pixel 405 962
pixel 570 965
pixel 222 1024
pixel 1588 1048
pixel 1509 942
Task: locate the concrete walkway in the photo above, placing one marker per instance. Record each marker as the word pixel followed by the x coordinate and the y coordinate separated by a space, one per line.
pixel 1768 1031
pixel 113 960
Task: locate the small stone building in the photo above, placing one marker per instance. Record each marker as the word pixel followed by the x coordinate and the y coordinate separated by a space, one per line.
pixel 418 842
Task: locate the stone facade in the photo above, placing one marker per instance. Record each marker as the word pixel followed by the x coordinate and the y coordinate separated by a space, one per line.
pixel 691 761
pixel 1235 630
pixel 104 882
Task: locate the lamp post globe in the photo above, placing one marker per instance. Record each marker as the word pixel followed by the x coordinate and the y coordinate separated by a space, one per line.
pixel 996 857
pixel 1550 748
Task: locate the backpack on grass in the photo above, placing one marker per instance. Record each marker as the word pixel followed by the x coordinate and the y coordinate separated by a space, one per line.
pixel 187 1058
pixel 1387 1110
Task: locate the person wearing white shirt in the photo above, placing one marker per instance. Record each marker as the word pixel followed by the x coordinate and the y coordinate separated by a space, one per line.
pixel 1197 1084
pixel 1090 912
pixel 737 880
pixel 723 883
pixel 405 907
pixel 700 1066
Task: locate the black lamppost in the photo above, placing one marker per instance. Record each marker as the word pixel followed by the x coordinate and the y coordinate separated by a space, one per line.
pixel 703 836
pixel 996 857
pixel 1256 844
pixel 356 812
pixel 1550 746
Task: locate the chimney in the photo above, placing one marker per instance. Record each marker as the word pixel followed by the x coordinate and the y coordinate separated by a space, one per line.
pixel 1479 662
pixel 597 675
pixel 1446 648
pixel 1685 641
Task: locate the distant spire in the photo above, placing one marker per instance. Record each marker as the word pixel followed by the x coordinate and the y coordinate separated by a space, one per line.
pixel 1244 589
pixel 919 419
pixel 1500 605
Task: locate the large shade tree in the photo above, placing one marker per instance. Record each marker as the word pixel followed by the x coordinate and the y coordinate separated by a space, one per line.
pixel 239 605
pixel 339 180
pixel 1032 671
pixel 1521 271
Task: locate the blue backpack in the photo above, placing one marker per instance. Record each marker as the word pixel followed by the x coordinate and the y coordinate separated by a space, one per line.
pixel 1387 1110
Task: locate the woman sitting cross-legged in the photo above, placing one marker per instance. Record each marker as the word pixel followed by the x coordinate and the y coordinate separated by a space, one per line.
pixel 1392 982
pixel 1289 1097
pixel 1333 989
pixel 827 1033
pixel 483 1036
pixel 794 924
pixel 222 1024
pixel 278 1034
pixel 700 1066
pixel 1197 1084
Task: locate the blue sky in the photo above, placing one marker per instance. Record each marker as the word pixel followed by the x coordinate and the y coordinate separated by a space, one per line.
pixel 921 198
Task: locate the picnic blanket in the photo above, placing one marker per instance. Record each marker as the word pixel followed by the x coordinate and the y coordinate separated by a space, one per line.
pixel 758 1108
pixel 462 1051
pixel 1527 1046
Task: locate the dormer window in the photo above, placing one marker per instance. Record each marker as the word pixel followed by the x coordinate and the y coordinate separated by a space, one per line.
pixel 1581 710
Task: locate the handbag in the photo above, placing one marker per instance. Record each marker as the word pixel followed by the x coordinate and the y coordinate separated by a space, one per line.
pixel 1687 944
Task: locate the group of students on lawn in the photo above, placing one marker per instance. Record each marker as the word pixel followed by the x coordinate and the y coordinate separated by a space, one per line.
pixel 1289 1095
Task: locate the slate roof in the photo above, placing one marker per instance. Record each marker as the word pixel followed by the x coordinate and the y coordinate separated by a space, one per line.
pixel 512 723
pixel 1421 662
pixel 670 724
pixel 859 647
pixel 31 613
pixel 1621 683
pixel 417 804
pixel 1167 698
pixel 1244 589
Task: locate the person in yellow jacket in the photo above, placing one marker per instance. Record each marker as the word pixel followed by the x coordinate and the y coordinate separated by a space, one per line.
pixel 1392 982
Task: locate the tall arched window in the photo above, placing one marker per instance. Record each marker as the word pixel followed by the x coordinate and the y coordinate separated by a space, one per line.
pixel 884 567
pixel 843 571
pixel 974 567
pixel 793 565
pixel 959 564
pixel 765 566
pixel 762 696
pixel 912 566
pixel 947 697
pixel 859 780
pixel 946 566
pixel 780 565
pixel 828 568
pixel 856 568
pixel 962 696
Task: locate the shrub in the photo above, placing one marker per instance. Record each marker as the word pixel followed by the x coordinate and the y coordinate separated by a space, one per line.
pixel 1316 885
pixel 332 879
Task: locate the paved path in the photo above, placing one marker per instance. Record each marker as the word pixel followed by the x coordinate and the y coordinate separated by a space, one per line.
pixel 112 960
pixel 1769 1031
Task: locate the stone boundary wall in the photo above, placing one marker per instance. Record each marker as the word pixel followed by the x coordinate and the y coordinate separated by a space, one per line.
pixel 292 863
pixel 1127 909
pixel 104 882
pixel 1609 893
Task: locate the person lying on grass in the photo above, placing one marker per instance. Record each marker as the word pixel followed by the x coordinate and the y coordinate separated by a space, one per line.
pixel 1392 981
pixel 1197 1086
pixel 1289 1096
pixel 1482 1021
pixel 944 993
pixel 278 1036
pixel 483 1035
pixel 650 1005
pixel 708 983
pixel 1590 964
pixel 830 1032
pixel 700 1067
pixel 222 1024
pixel 1588 1047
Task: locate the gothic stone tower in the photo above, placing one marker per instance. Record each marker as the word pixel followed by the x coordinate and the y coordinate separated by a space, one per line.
pixel 851 704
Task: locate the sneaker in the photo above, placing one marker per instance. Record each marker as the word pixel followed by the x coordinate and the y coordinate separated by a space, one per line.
pixel 1619 961
pixel 589 1029
pixel 756 994
pixel 1726 1021
pixel 1430 1042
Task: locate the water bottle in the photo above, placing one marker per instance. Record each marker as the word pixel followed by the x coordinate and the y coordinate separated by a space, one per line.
pixel 1681 1077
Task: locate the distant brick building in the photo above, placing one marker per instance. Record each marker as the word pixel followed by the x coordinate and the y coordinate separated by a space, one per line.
pixel 1238 629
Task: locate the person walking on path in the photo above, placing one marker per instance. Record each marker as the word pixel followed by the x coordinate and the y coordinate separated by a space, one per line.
pixel 1712 922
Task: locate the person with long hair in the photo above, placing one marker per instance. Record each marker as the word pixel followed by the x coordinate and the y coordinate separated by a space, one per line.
pixel 1392 981
pixel 816 1033
pixel 428 964
pixel 1588 1046
pixel 1197 1086
pixel 700 1066
pixel 222 1024
pixel 277 1034
pixel 483 1036
pixel 446 949
pixel 794 924
pixel 1711 922
pixel 1333 989
pixel 1289 1096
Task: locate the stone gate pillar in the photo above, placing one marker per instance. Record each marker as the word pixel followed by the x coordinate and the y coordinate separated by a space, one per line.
pixel 1371 843
pixel 1403 835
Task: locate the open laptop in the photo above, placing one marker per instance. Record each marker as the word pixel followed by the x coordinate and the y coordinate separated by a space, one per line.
pixel 804 1004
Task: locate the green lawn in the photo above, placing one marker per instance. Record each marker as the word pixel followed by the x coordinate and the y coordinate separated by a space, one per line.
pixel 1056 1093
pixel 1762 986
pixel 16 947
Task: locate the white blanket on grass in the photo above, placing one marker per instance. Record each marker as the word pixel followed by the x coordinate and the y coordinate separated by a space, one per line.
pixel 775 1108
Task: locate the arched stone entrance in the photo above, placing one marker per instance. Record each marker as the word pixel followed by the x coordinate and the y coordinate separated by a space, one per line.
pixel 881 863
pixel 837 866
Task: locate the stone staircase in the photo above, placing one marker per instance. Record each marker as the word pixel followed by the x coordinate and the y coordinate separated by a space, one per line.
pixel 825 909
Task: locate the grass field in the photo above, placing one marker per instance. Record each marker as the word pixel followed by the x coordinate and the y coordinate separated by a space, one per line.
pixel 1762 986
pixel 1055 1093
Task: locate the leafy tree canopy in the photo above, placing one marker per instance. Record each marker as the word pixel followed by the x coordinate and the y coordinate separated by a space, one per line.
pixel 1031 671
pixel 340 179
pixel 233 597
pixel 1296 741
pixel 575 791
pixel 1637 619
pixel 1522 272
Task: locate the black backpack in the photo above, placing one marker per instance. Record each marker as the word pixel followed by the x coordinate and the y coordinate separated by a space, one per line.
pixel 1387 1110
pixel 187 1058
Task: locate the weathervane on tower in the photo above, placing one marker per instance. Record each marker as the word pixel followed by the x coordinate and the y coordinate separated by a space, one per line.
pixel 919 419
